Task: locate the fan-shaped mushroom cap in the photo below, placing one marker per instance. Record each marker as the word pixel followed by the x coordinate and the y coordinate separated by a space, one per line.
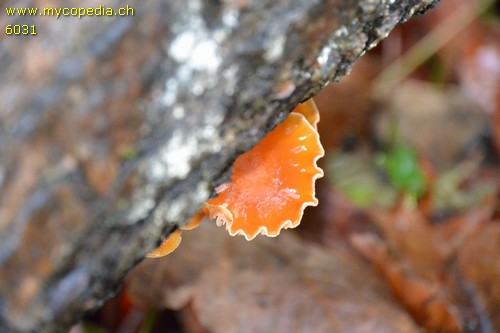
pixel 309 110
pixel 272 183
pixel 168 246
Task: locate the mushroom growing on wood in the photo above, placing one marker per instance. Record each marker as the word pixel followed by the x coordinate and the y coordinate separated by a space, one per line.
pixel 271 184
pixel 174 239
pixel 309 110
pixel 168 246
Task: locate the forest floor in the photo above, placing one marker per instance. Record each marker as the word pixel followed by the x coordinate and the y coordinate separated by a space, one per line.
pixel 406 236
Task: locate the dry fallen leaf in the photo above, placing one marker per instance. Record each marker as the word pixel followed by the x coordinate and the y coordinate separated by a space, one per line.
pixel 423 115
pixel 416 258
pixel 479 265
pixel 280 284
pixel 422 296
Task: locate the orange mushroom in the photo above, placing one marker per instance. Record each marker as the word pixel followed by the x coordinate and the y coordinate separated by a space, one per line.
pixel 174 239
pixel 309 110
pixel 273 182
pixel 194 222
pixel 168 246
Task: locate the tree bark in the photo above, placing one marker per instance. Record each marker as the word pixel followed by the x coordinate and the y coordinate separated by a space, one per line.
pixel 114 130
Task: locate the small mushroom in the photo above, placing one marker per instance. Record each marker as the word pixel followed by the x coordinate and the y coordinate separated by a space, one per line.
pixel 273 182
pixel 174 239
pixel 168 246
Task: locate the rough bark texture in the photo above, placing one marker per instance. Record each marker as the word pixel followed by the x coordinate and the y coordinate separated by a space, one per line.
pixel 114 130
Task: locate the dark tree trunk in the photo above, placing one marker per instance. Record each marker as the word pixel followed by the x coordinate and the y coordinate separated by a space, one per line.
pixel 113 130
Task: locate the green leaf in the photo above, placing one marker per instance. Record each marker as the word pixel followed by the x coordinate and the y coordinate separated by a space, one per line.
pixel 403 171
pixel 354 175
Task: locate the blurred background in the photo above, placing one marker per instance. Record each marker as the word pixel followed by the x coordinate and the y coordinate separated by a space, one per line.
pixel 406 236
